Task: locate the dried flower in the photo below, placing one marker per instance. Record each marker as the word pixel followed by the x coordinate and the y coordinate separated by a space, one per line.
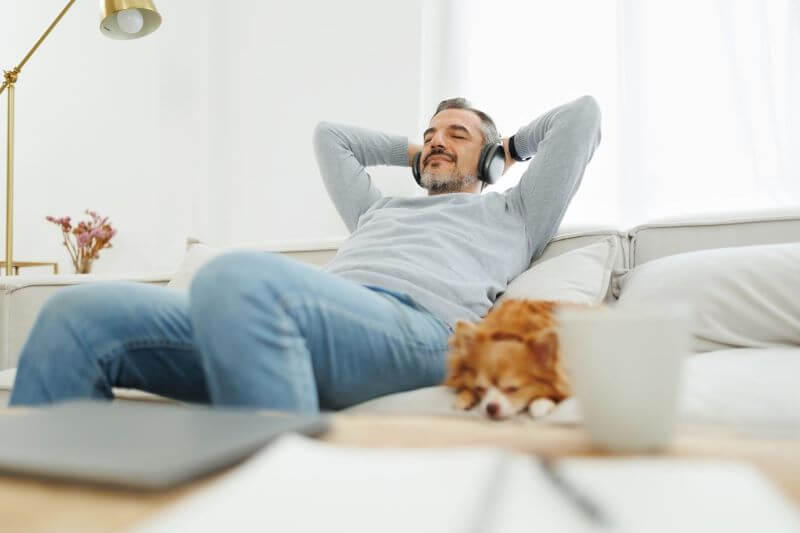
pixel 85 241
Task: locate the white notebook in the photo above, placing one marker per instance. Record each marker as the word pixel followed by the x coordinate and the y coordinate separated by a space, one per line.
pixel 298 484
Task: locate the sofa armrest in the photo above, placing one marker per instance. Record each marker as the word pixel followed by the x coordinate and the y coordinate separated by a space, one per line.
pixel 8 376
pixel 21 298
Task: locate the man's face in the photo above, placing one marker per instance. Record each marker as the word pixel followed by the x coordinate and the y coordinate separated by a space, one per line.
pixel 452 146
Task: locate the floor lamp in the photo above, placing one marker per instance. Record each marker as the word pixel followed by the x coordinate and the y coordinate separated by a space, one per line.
pixel 119 19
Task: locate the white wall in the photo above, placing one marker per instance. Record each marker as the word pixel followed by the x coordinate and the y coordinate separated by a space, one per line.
pixel 274 74
pixel 204 127
pixel 116 126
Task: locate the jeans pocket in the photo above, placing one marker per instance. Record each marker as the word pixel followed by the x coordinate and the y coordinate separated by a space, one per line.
pixel 408 301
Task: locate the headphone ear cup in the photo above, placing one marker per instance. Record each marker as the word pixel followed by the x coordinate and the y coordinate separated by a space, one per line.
pixel 491 163
pixel 415 168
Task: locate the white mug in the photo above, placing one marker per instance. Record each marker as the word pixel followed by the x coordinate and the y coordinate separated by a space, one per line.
pixel 625 369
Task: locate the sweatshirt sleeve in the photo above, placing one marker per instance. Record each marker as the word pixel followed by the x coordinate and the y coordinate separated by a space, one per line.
pixel 562 141
pixel 343 153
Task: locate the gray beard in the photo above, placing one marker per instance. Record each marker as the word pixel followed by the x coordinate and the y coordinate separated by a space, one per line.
pixel 445 184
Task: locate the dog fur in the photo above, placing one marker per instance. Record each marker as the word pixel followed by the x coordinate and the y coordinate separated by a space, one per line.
pixel 509 362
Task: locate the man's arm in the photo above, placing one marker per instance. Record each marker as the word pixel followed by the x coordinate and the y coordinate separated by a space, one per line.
pixel 563 141
pixel 342 154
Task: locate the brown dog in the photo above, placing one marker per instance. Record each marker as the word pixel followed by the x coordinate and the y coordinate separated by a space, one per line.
pixel 509 362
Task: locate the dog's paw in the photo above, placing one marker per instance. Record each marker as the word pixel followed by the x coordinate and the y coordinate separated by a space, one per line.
pixel 541 407
pixel 464 400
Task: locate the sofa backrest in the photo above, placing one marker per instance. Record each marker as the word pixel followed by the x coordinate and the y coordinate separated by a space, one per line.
pixel 652 240
pixel 564 242
pixel 673 236
pixel 572 239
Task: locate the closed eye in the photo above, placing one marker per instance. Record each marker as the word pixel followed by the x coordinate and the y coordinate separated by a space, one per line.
pixel 510 390
pixel 506 336
pixel 480 391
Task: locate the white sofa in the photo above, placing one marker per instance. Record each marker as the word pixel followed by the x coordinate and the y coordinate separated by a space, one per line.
pixel 751 386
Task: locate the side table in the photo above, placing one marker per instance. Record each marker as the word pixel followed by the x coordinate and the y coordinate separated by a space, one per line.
pixel 16 265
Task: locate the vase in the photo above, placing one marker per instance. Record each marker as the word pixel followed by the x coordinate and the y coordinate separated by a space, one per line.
pixel 84 266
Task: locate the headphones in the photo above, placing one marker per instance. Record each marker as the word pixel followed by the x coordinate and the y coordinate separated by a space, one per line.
pixel 490 164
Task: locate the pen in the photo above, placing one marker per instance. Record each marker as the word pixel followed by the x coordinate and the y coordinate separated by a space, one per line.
pixel 586 506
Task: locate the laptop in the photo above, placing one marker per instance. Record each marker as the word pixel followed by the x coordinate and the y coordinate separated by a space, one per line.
pixel 136 444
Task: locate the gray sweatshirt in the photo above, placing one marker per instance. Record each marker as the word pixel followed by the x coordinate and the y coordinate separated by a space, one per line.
pixel 455 253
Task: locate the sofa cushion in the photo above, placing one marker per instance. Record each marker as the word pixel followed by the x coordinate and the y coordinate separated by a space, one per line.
pixel 438 400
pixel 580 276
pixel 754 387
pixel 747 387
pixel 741 297
pixel 7 383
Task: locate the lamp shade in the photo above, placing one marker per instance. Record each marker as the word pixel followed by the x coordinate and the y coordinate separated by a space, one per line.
pixel 128 19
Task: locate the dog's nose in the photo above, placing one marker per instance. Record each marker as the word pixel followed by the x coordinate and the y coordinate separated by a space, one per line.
pixel 492 409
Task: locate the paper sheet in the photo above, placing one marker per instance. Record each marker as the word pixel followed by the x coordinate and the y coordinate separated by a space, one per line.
pixel 298 484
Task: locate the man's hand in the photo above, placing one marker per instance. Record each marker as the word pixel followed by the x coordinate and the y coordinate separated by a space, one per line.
pixel 509 161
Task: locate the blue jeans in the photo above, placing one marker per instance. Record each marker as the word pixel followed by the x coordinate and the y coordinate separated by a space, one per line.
pixel 256 329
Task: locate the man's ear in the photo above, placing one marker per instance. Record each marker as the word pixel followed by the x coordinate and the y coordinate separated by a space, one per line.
pixel 543 348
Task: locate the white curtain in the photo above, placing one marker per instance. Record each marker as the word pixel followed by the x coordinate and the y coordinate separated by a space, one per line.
pixel 700 98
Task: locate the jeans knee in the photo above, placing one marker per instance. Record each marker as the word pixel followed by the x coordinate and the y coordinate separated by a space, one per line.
pixel 89 312
pixel 69 302
pixel 226 279
pixel 60 318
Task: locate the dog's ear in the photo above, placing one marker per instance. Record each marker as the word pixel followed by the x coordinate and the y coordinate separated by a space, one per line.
pixel 543 348
pixel 462 341
pixel 464 336
pixel 460 373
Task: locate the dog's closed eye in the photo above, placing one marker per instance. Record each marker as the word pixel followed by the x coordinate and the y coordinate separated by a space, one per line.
pixel 506 336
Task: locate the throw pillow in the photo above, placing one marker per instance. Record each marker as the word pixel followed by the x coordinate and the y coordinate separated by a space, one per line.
pixel 741 297
pixel 580 276
pixel 197 255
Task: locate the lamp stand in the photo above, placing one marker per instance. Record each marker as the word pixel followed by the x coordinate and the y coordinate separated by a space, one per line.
pixel 10 80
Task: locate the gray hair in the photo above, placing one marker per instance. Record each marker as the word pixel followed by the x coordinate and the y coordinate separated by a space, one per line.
pixel 488 127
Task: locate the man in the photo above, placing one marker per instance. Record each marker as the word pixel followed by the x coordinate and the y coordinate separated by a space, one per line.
pixel 261 330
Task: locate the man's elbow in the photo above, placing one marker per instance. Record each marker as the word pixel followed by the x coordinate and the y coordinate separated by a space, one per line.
pixel 587 113
pixel 589 109
pixel 322 130
pixel 325 137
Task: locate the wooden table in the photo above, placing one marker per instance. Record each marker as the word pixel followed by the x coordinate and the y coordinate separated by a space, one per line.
pixel 34 505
